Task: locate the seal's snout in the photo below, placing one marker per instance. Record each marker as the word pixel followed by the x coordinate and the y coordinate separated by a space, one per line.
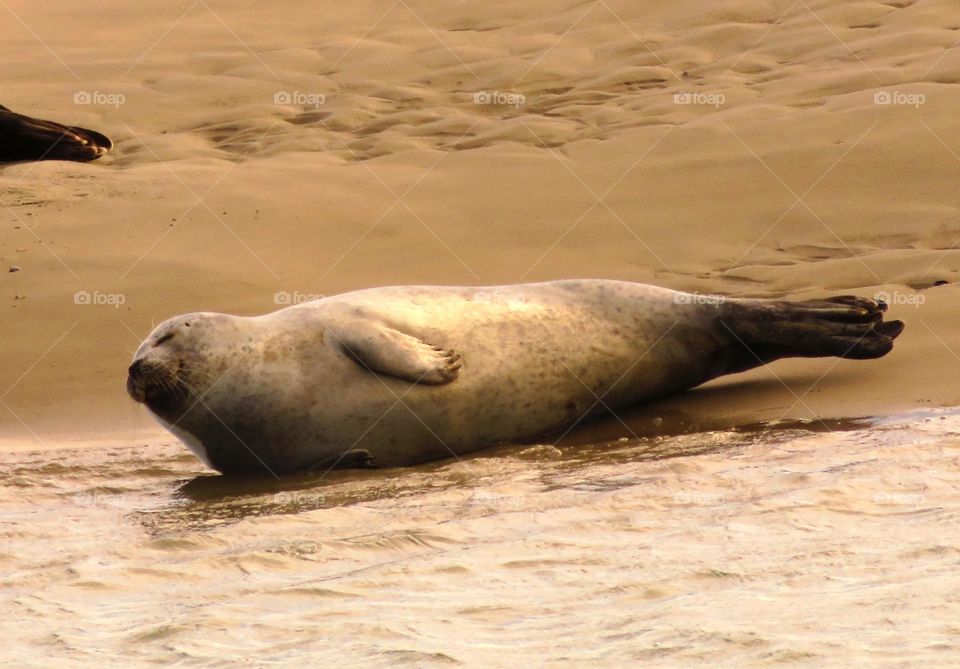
pixel 136 386
pixel 151 381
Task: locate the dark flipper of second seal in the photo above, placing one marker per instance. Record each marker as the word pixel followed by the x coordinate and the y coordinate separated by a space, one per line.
pixel 25 138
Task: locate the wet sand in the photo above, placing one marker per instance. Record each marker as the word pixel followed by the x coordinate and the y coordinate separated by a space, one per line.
pixel 827 547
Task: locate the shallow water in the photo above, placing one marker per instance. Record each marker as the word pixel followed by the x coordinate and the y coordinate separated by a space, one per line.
pixel 798 544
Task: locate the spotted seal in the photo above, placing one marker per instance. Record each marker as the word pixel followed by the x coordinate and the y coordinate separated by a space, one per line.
pixel 399 375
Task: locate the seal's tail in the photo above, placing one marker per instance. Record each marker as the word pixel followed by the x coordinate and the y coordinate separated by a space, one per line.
pixel 846 327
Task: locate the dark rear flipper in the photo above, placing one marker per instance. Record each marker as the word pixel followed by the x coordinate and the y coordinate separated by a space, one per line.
pixel 845 327
pixel 26 138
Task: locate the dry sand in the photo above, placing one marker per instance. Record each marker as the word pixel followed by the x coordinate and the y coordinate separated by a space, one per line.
pixel 743 147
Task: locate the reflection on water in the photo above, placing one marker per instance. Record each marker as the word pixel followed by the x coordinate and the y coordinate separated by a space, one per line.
pixel 211 498
pixel 602 553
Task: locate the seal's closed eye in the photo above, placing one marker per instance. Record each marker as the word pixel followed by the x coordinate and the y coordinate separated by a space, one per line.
pixel 165 338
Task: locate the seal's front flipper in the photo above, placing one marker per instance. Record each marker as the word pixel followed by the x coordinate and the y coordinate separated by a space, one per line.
pixel 387 351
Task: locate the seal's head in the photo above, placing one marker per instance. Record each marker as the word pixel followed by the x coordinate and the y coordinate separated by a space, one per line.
pixel 172 364
pixel 158 376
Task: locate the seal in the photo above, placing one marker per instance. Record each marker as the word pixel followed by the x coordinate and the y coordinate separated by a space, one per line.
pixel 399 375
pixel 25 138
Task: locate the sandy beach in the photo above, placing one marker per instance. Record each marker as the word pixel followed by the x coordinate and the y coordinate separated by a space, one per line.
pixel 267 154
pixel 739 150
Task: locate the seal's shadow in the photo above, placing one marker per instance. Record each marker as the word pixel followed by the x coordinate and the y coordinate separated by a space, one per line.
pixel 212 500
pixel 277 494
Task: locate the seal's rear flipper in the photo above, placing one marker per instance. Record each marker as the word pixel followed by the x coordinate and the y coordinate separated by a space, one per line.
pixel 845 327
pixel 384 350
